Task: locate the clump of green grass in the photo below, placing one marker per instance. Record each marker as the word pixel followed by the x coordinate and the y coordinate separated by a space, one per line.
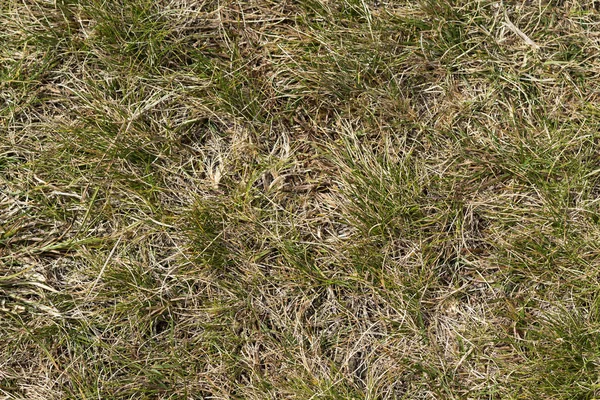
pixel 309 199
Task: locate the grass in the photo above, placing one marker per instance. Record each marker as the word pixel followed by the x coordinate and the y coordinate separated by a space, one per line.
pixel 302 199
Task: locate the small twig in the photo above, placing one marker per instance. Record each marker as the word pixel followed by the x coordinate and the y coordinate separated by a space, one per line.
pixel 508 23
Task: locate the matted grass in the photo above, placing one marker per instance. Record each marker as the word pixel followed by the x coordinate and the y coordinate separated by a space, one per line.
pixel 300 199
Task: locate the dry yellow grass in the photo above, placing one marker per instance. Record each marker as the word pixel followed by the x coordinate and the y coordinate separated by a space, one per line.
pixel 299 199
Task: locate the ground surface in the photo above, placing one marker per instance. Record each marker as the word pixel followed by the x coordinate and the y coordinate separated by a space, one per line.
pixel 302 199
